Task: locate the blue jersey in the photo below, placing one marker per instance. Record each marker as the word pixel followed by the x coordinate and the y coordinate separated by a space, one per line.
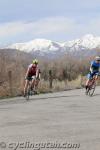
pixel 95 66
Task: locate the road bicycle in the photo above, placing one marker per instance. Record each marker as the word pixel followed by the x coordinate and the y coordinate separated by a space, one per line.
pixel 30 91
pixel 91 87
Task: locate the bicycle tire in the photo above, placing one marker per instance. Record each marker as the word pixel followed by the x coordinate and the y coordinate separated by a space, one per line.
pixel 92 90
pixel 28 94
pixel 87 91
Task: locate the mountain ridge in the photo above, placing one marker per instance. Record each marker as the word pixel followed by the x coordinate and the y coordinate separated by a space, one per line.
pixel 44 47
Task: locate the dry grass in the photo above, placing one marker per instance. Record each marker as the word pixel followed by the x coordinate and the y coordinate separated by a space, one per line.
pixel 43 86
pixel 61 85
pixel 17 89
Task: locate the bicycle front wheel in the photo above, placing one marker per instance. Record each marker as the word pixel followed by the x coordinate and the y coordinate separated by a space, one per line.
pixel 92 90
pixel 87 91
pixel 28 93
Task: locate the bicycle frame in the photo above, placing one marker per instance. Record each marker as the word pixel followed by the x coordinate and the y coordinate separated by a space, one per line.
pixel 91 86
pixel 92 81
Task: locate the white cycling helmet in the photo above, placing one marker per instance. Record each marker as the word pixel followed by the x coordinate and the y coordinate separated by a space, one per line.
pixel 97 58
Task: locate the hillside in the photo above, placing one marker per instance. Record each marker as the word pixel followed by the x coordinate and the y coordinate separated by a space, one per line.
pixel 16 62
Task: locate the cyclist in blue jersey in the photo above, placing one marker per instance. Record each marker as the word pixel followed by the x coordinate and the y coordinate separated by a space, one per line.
pixel 94 70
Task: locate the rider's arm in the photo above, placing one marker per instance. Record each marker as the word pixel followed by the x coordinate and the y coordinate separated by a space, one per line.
pixel 38 73
pixel 91 67
pixel 28 70
pixel 27 73
pixel 39 76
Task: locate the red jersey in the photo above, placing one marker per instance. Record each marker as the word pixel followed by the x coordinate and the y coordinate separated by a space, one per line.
pixel 32 70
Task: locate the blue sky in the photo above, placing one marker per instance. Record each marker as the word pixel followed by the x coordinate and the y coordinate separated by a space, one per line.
pixel 58 20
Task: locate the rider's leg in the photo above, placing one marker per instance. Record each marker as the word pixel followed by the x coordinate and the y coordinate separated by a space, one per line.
pixel 89 76
pixel 96 78
pixel 26 86
pixel 33 83
pixel 87 83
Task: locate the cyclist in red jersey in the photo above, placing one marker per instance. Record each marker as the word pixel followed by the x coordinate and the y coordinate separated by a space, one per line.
pixel 32 74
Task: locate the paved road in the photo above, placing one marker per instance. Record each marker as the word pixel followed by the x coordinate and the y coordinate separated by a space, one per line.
pixel 63 118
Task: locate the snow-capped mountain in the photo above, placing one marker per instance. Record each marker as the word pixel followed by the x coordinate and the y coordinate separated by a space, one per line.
pixel 36 45
pixel 43 46
pixel 86 42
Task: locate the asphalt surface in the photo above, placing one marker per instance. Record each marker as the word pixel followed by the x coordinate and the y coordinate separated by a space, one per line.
pixel 67 119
